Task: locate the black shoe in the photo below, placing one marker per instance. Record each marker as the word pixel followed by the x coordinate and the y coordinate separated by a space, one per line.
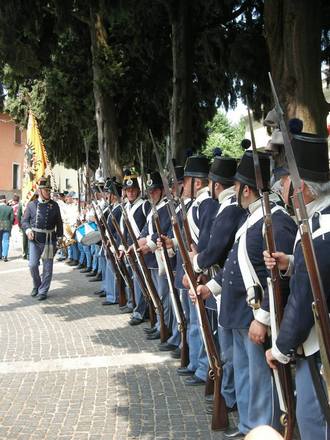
pixel 176 354
pixel 135 321
pixel 126 310
pixel 42 297
pixel 69 262
pixel 152 336
pixel 108 303
pixel 92 274
pixel 98 292
pixel 34 291
pixel 74 263
pixel 194 381
pixel 98 277
pixel 5 259
pixel 164 346
pixel 209 408
pixel 233 433
pixel 183 371
pixel 80 266
pixel 102 295
pixel 88 269
pixel 150 330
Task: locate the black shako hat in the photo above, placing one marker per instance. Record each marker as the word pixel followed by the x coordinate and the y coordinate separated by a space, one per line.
pixel 312 156
pixel 245 170
pixel 197 166
pixel 223 170
pixel 179 172
pixel 130 180
pixel 154 180
pixel 44 183
pixel 113 186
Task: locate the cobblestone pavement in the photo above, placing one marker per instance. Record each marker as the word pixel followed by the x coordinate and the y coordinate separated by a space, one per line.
pixel 72 369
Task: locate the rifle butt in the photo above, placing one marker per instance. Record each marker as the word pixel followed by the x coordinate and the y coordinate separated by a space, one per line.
pixel 152 315
pixel 164 331
pixel 121 288
pixel 220 415
pixel 184 349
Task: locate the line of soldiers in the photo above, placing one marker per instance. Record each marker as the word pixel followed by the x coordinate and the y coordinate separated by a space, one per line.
pixel 225 216
pixel 143 242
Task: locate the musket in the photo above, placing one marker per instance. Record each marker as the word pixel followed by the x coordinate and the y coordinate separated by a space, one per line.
pixel 185 222
pixel 164 331
pixel 112 257
pixel 282 376
pixel 135 269
pixel 319 306
pixel 174 296
pixel 120 264
pixel 220 416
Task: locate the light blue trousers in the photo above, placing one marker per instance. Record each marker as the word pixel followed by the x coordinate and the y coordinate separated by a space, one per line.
pixel 42 283
pixel 4 243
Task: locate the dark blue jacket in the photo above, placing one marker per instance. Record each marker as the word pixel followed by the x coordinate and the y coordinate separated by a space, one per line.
pixel 116 213
pixel 298 317
pixel 43 216
pixel 235 313
pixel 140 217
pixel 165 226
pixel 222 237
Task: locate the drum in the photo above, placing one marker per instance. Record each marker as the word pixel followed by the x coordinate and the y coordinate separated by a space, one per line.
pixel 88 234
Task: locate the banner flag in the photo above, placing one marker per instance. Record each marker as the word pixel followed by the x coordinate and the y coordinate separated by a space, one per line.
pixel 36 162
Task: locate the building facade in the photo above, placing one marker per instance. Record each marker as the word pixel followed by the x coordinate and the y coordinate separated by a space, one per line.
pixel 12 143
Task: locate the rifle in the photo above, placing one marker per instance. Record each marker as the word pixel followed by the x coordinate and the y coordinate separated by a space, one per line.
pixel 219 417
pixel 121 266
pixel 135 269
pixel 164 331
pixel 175 299
pixel 282 376
pixel 185 222
pixel 319 306
pixel 109 254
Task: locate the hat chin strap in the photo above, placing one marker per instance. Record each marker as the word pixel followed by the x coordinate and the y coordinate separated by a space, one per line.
pixel 239 195
pixel 192 184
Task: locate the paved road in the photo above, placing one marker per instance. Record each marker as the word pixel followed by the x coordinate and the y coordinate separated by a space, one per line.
pixel 72 369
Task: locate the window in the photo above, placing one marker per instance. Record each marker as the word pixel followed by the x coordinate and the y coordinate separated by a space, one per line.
pixel 18 135
pixel 16 176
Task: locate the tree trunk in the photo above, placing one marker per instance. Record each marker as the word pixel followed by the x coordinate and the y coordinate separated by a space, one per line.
pixel 181 106
pixel 107 130
pixel 293 34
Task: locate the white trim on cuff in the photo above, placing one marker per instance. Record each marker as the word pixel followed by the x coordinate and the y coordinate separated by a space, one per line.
pixel 214 287
pixel 197 269
pixel 279 356
pixel 28 230
pixel 289 270
pixel 175 244
pixel 151 244
pixel 262 316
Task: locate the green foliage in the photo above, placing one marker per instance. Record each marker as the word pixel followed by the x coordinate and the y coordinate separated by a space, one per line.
pixel 223 134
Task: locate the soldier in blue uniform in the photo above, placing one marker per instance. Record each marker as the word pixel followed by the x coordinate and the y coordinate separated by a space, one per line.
pixel 222 237
pixel 297 330
pixel 111 280
pixel 200 217
pixel 148 246
pixel 241 284
pixel 43 225
pixel 137 210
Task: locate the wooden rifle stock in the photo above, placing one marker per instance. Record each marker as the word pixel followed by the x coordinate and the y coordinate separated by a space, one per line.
pixel 135 269
pixel 121 265
pixel 182 325
pixel 220 416
pixel 113 260
pixel 284 370
pixel 164 331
